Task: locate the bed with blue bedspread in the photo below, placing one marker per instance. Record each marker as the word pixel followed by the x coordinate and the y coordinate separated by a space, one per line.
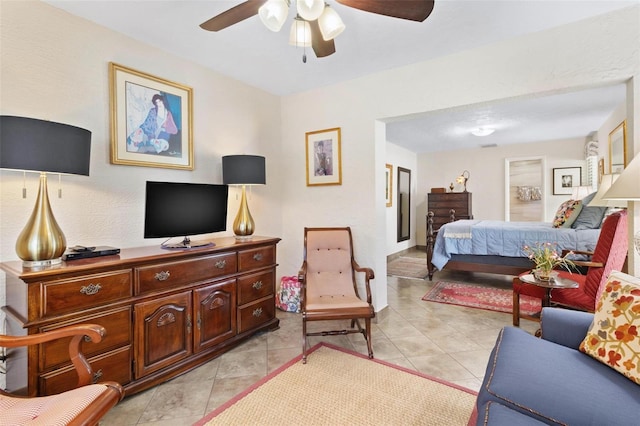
pixel 497 246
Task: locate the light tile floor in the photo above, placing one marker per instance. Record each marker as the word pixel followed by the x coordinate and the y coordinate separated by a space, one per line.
pixel 445 341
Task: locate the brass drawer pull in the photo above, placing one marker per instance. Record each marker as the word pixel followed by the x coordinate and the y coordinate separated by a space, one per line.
pixel 87 339
pixel 257 285
pixel 257 257
pixel 97 376
pixel 90 289
pixel 220 264
pixel 162 275
pixel 257 312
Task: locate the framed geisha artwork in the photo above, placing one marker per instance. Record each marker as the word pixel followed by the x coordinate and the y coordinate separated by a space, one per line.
pixel 151 120
pixel 323 157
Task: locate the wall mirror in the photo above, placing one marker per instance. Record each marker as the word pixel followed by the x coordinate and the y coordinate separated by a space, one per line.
pixel 618 148
pixel 404 203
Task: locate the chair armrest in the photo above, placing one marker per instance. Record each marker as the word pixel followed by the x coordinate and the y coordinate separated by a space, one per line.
pixel 368 275
pixel 586 253
pixel 76 332
pixel 588 263
pixel 565 327
pixel 302 273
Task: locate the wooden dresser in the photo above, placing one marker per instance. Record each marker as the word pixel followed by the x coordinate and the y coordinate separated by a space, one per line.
pixel 165 311
pixel 441 204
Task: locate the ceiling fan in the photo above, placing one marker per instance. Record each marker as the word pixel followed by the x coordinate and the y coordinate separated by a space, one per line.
pixel 316 24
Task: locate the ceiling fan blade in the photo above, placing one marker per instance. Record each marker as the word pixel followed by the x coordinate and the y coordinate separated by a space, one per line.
pixel 234 15
pixel 321 47
pixel 414 10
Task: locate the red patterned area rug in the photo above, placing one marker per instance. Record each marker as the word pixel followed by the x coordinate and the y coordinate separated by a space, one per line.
pixel 481 297
pixel 340 387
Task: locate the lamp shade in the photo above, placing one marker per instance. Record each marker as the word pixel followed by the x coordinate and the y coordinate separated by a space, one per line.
pixel 310 10
pixel 605 184
pixel 300 34
pixel 331 25
pixel 627 186
pixel 273 14
pixel 43 146
pixel 243 170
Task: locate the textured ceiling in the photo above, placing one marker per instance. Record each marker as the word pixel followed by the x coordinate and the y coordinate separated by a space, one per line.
pixel 250 53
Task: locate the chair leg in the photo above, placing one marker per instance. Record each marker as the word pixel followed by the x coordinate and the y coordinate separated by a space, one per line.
pixel 516 309
pixel 304 340
pixel 367 324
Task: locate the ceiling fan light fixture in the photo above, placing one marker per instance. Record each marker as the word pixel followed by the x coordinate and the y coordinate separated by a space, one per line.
pixel 482 131
pixel 273 14
pixel 300 34
pixel 331 25
pixel 310 10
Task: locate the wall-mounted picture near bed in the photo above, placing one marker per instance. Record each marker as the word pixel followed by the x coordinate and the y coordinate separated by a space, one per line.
pixel 565 178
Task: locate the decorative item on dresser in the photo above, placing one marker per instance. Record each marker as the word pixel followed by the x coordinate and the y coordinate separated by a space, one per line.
pixel 165 312
pixel 243 170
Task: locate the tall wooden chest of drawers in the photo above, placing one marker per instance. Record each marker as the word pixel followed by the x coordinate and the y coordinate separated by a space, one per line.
pixel 164 311
pixel 441 204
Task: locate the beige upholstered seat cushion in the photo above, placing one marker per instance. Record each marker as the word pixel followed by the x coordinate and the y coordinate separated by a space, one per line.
pixel 48 410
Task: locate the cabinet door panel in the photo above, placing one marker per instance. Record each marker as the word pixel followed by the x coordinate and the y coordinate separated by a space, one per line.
pixel 163 332
pixel 215 314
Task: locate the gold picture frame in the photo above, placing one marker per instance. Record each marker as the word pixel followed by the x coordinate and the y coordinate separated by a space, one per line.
pixel 139 102
pixel 388 193
pixel 324 163
pixel 618 148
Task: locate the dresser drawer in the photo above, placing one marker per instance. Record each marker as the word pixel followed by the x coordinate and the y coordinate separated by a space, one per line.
pixel 117 324
pixel 255 286
pixel 171 275
pixel 256 258
pixel 256 314
pixel 113 366
pixel 75 294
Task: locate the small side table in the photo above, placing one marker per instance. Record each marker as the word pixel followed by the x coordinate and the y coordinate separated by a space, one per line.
pixel 556 282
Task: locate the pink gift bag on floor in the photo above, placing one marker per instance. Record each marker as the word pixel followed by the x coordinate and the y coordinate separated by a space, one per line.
pixel 288 298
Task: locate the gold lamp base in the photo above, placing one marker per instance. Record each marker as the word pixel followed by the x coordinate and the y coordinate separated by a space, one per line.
pixel 41 242
pixel 243 225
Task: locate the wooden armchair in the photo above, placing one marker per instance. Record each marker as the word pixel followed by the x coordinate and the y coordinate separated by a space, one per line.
pixel 85 405
pixel 328 284
pixel 609 255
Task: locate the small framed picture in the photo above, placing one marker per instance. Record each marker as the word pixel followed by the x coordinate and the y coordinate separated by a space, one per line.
pixel 151 120
pixel 388 193
pixel 565 178
pixel 323 157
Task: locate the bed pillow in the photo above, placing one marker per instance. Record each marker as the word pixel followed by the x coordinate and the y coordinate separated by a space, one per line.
pixel 590 217
pixel 614 335
pixel 567 213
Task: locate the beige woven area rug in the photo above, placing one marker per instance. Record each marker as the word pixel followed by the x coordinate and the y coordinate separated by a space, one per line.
pixel 338 387
pixel 408 267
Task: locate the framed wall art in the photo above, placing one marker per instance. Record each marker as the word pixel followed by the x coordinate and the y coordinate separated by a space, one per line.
pixel 388 193
pixel 323 157
pixel 151 120
pixel 565 178
pixel 618 148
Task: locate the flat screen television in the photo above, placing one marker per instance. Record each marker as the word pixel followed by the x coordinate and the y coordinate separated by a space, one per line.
pixel 183 210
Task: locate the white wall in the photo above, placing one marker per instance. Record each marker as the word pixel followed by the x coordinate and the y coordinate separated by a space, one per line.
pixel 487 181
pixel 401 157
pixel 54 66
pixel 593 52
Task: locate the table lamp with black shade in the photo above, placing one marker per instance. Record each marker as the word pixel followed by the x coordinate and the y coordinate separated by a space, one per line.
pixel 243 170
pixel 32 145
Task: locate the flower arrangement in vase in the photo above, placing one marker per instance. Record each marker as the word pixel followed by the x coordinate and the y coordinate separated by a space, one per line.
pixel 546 258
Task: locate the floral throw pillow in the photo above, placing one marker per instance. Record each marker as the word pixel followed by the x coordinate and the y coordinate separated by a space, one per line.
pixel 614 335
pixel 567 214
